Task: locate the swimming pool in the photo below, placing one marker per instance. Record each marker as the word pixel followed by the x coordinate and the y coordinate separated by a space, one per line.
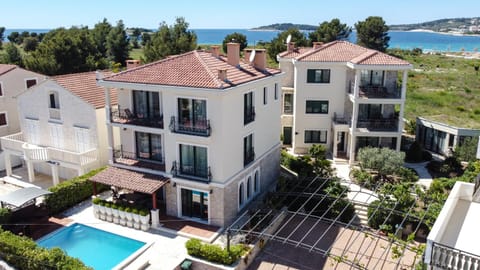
pixel 96 248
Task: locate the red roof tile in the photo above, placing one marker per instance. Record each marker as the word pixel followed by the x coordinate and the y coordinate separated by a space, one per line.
pixel 4 68
pixel 197 69
pixel 344 51
pixel 136 181
pixel 84 85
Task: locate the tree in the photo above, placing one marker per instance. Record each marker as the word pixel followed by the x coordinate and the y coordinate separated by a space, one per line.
pixel 278 44
pixel 467 150
pixel 169 40
pixel 330 31
pixel 237 38
pixel 373 33
pixel 12 55
pixel 383 160
pixel 30 44
pixel 2 30
pixel 146 37
pixel 118 44
pixel 13 37
pixel 99 35
pixel 321 165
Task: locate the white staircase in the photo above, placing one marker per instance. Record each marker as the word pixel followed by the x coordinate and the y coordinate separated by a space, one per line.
pixel 361 211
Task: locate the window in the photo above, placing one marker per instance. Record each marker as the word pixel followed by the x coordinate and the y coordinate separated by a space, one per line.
pixel 194 204
pixel 249 187
pixel 146 104
pixel 1 89
pixel 315 136
pixel 149 146
pixel 54 102
pixel 240 194
pixel 248 150
pixel 194 161
pixel 192 114
pixel 288 104
pixel 265 98
pixel 82 139
pixel 32 130
pixel 316 106
pixel 30 82
pixel 248 108
pixel 3 119
pixel 56 135
pixel 372 77
pixel 256 182
pixel 275 91
pixel 318 76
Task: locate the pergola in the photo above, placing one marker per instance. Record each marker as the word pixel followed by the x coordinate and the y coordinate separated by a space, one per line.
pixel 304 223
pixel 131 180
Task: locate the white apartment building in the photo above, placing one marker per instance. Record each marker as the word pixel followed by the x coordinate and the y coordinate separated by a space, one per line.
pixel 13 81
pixel 343 96
pixel 63 132
pixel 207 122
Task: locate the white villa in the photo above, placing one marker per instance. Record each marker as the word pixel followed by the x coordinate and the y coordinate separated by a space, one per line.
pixel 343 96
pixel 63 132
pixel 13 81
pixel 205 124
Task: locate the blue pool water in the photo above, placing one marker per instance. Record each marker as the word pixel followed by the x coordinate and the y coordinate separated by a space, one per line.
pixel 96 248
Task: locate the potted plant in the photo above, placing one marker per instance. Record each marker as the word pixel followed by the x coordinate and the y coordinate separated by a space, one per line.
pixel 136 218
pixel 95 205
pixel 102 212
pixel 108 211
pixel 128 216
pixel 144 219
pixel 121 214
pixel 115 214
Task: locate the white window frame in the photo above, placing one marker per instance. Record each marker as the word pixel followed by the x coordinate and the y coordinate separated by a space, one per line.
pixel 2 90
pixel 83 131
pixel 56 135
pixel 28 79
pixel 6 119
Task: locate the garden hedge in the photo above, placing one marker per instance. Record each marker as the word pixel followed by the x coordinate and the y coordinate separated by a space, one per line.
pixel 214 253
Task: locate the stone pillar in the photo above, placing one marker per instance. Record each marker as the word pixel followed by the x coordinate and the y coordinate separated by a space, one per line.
pixel 155 218
pixel 8 164
pixel 31 171
pixel 352 149
pixel 108 110
pixel 335 136
pixel 55 177
pixel 404 84
pixel 356 86
pixel 400 117
pixel 399 142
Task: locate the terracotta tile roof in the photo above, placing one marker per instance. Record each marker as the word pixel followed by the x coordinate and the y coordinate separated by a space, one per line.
pixel 136 181
pixel 84 85
pixel 295 53
pixel 4 68
pixel 197 69
pixel 344 51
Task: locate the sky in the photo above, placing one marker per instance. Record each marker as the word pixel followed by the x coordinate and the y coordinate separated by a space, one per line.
pixel 48 14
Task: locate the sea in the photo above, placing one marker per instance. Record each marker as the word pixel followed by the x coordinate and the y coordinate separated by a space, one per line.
pixel 427 41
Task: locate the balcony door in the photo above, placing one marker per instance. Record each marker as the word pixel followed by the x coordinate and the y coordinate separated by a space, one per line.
pixel 193 161
pixel 82 139
pixel 146 104
pixel 32 131
pixel 372 77
pixel 149 146
pixel 369 111
pixel 192 112
pixel 194 204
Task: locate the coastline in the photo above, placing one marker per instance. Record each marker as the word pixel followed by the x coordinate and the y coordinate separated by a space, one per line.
pixel 441 33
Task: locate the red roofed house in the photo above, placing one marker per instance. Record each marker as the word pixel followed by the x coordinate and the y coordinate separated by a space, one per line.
pixel 63 131
pixel 13 81
pixel 206 121
pixel 343 96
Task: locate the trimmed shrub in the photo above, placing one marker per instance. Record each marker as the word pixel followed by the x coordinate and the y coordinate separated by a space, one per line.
pixel 71 192
pixel 407 175
pixel 23 253
pixel 214 253
pixel 5 215
pixel 414 153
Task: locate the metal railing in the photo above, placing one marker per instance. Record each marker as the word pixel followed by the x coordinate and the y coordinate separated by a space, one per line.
pixel 123 157
pixel 125 116
pixel 446 257
pixel 383 124
pixel 54 113
pixel 191 173
pixel 198 127
pixel 377 91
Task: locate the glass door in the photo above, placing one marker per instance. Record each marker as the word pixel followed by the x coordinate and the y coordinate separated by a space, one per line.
pixel 194 204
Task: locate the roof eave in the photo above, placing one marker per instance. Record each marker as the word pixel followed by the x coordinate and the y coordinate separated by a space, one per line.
pixel 379 67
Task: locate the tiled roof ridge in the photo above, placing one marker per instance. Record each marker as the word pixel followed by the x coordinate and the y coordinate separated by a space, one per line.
pixel 364 56
pixel 322 47
pixel 209 71
pixel 74 74
pixel 9 67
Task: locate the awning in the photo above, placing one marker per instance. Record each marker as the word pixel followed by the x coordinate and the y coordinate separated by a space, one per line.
pixel 136 181
pixel 19 197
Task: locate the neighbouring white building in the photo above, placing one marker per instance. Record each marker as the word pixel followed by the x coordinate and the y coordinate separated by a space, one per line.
pixel 63 132
pixel 436 135
pixel 205 122
pixel 453 241
pixel 13 81
pixel 343 96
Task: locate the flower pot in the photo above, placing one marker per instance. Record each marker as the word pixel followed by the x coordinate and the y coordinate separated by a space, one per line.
pixel 144 227
pixel 136 217
pixel 115 216
pixel 128 219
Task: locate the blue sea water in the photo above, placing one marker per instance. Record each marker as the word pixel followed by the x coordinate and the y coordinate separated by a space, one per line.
pixel 427 41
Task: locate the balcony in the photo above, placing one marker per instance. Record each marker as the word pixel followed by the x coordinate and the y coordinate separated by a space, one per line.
pixel 445 257
pixel 249 115
pixel 377 91
pixel 126 117
pixel 130 159
pixel 382 124
pixel 248 156
pixel 191 173
pixel 54 113
pixel 196 128
pixel 17 143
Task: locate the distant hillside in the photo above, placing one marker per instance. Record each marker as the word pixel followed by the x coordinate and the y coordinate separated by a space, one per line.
pixel 443 25
pixel 285 26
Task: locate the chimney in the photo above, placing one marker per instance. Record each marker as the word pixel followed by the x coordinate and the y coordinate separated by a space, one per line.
pixel 233 53
pixel 290 46
pixel 215 51
pixel 132 63
pixel 260 60
pixel 317 45
pixel 247 53
pixel 222 74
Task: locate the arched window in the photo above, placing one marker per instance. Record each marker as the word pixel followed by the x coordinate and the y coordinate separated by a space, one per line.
pixel 240 195
pixel 54 102
pixel 256 182
pixel 249 187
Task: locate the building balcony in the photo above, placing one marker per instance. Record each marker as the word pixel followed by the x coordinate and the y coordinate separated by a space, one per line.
pixel 445 257
pixel 17 143
pixel 197 128
pixel 377 91
pixel 191 173
pixel 382 124
pixel 132 160
pixel 248 156
pixel 340 122
pixel 126 117
pixel 54 113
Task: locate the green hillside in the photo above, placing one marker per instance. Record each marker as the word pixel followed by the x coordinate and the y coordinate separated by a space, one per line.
pixel 286 26
pixel 442 25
